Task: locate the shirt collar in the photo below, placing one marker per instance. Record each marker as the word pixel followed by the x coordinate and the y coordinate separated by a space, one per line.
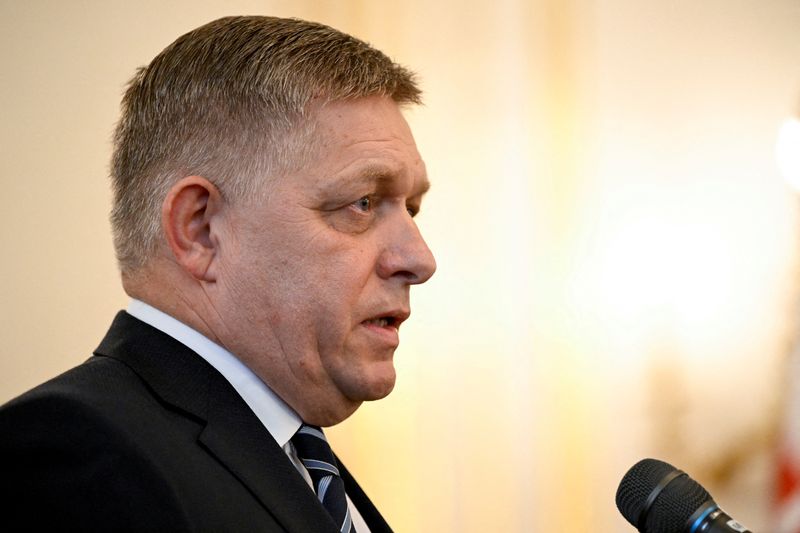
pixel 278 418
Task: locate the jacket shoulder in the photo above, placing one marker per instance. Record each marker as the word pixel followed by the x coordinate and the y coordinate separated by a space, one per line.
pixel 69 454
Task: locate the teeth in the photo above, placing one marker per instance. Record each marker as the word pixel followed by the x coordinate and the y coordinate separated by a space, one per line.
pixel 381 322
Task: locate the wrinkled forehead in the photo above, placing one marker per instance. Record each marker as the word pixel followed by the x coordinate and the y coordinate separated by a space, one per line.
pixel 372 118
pixel 367 141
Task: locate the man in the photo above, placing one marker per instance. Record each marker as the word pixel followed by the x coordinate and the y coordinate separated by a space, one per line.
pixel 265 186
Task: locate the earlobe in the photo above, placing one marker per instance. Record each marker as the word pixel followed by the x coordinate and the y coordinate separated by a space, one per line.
pixel 188 216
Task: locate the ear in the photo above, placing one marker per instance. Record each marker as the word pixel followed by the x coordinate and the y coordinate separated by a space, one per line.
pixel 189 216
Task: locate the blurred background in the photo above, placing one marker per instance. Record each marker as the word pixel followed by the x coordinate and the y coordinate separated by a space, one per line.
pixel 618 250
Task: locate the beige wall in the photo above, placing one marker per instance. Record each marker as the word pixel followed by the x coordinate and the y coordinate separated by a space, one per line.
pixel 606 214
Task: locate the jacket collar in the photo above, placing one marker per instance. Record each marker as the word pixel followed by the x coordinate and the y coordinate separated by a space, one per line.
pixel 232 433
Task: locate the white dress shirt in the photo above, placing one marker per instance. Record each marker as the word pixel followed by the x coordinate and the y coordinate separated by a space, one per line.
pixel 279 419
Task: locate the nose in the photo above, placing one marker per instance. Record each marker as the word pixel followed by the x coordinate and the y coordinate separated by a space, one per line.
pixel 406 255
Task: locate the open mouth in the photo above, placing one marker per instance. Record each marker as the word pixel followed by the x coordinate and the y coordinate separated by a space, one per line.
pixel 382 322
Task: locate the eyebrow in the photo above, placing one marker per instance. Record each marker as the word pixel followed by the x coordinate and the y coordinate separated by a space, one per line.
pixel 379 175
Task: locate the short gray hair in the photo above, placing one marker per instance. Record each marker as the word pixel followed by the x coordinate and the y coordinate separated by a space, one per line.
pixel 230 101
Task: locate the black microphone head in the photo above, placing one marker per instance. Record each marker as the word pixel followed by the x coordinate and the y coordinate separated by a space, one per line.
pixel 672 507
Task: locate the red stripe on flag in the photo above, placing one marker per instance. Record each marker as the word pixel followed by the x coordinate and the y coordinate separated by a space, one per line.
pixel 788 481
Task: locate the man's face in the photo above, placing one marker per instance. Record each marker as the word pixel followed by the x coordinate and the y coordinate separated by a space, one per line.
pixel 316 280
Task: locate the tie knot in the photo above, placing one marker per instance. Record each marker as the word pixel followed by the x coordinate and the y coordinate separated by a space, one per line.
pixel 314 451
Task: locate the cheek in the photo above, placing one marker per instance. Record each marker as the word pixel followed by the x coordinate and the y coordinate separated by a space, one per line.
pixel 335 308
pixel 336 268
pixel 312 283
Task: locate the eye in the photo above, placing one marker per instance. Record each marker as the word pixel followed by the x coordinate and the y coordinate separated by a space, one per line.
pixel 363 204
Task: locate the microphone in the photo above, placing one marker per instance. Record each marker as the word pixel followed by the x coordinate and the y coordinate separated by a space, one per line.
pixel 656 497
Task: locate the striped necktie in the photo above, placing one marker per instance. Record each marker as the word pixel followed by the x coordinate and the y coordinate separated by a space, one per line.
pixel 316 455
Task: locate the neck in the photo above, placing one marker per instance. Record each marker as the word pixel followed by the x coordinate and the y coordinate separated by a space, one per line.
pixel 162 285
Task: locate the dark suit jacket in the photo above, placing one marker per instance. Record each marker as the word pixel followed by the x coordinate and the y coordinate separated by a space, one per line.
pixel 146 435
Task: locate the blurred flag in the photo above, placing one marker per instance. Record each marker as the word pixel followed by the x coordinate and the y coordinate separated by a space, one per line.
pixel 787 153
pixel 788 493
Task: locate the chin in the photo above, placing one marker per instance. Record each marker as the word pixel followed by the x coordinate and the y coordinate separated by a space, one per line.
pixel 333 412
pixel 345 393
pixel 376 387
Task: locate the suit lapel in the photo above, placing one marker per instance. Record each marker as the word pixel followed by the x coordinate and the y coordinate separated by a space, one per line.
pixel 232 433
pixel 238 440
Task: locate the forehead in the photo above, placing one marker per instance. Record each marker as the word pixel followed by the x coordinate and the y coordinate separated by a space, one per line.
pixel 367 140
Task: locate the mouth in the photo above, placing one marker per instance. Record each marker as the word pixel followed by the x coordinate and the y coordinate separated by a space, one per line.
pixel 382 322
pixel 391 319
pixel 386 325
